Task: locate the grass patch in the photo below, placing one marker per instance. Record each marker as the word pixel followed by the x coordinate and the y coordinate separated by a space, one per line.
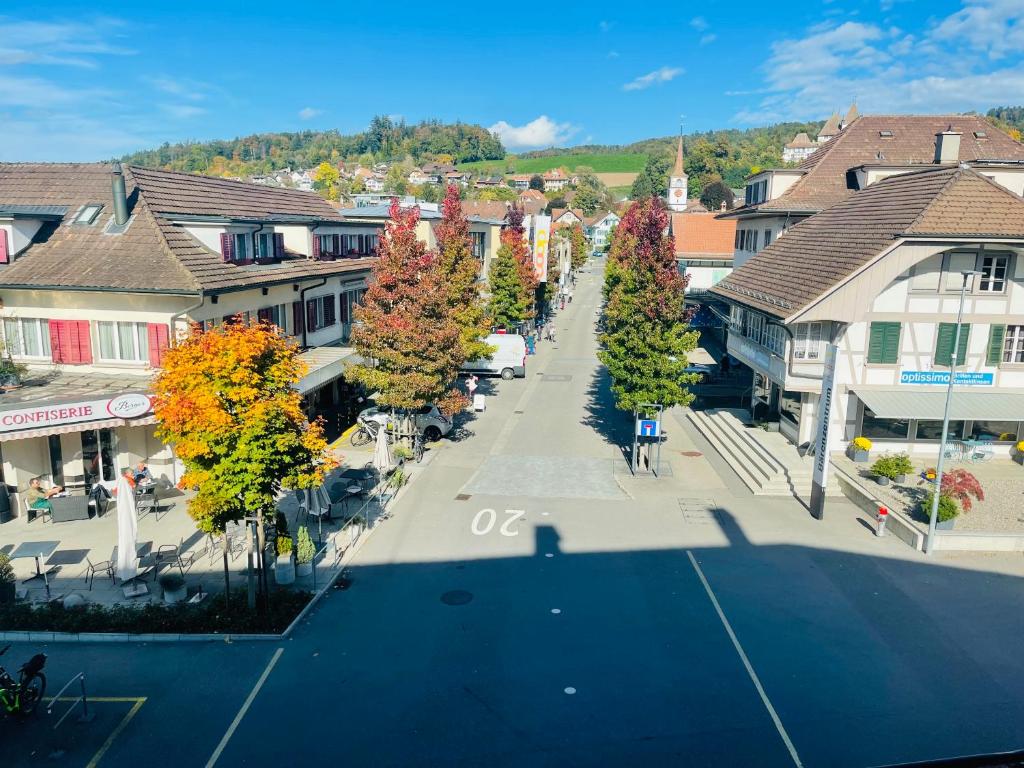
pixel 622 162
pixel 213 615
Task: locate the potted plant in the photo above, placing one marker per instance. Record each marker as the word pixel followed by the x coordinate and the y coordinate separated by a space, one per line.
pixel 173 585
pixel 400 453
pixel 7 580
pixel 11 374
pixel 959 490
pixel 902 466
pixel 1019 453
pixel 892 468
pixel 284 570
pixel 948 510
pixel 859 449
pixel 304 553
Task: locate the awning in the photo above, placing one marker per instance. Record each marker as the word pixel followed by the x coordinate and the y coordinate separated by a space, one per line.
pixel 324 364
pixel 917 403
pixel 81 426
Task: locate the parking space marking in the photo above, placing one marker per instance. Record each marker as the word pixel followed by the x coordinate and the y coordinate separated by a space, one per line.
pixel 245 708
pixel 139 701
pixel 746 662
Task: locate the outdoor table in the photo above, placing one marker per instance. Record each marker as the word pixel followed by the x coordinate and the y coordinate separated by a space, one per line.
pixel 36 549
pixel 67 557
pixel 65 507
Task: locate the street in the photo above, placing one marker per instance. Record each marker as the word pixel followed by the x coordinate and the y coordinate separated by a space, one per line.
pixel 530 603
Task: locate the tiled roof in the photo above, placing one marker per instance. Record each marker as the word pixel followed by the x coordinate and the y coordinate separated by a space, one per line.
pixel 485 209
pixel 702 233
pixel 678 170
pixel 598 217
pixel 151 254
pixel 827 248
pixel 532 194
pixel 801 141
pixel 831 126
pixel 912 143
pixel 556 213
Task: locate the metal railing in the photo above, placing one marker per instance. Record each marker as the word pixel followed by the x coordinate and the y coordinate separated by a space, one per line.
pixel 82 699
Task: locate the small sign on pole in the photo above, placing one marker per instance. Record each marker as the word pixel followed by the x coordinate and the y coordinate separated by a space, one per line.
pixel 648 428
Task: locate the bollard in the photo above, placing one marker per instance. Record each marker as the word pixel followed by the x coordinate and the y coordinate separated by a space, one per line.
pixel 880 518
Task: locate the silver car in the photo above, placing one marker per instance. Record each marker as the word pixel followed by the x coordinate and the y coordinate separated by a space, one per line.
pixel 429 420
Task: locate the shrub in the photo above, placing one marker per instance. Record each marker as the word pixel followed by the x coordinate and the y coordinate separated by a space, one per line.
pixel 862 444
pixel 304 550
pixel 891 465
pixel 284 545
pixel 948 508
pixel 6 570
pixel 401 451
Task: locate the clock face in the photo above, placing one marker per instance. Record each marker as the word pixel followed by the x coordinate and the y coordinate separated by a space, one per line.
pixel 677 192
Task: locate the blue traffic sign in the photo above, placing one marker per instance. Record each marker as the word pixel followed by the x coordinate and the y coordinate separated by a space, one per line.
pixel 648 428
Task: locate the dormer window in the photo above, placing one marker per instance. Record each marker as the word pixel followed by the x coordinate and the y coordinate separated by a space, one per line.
pixel 980 135
pixel 243 248
pixel 265 245
pixel 87 214
pixel 885 134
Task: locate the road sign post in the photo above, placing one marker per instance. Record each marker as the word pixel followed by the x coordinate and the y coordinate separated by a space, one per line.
pixel 647 433
pixel 819 479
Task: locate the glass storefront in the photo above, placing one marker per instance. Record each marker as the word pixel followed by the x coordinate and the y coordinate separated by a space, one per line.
pixel 932 430
pixel 99 447
pixel 878 428
pixel 1000 431
pixel 56 460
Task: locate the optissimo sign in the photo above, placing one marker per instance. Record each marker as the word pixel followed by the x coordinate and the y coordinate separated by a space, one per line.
pixel 128 406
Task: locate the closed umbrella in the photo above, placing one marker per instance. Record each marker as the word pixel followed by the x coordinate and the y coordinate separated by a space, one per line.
pixel 382 452
pixel 127 531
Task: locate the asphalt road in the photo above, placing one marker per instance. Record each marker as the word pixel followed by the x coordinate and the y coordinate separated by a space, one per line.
pixel 568 614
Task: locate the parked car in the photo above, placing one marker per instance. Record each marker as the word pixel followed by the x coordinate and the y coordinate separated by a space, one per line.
pixel 508 360
pixel 701 369
pixel 428 420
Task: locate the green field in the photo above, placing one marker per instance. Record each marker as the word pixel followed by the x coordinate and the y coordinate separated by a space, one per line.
pixel 611 163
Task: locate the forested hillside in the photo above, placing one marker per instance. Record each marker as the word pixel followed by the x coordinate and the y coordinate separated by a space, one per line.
pixel 384 140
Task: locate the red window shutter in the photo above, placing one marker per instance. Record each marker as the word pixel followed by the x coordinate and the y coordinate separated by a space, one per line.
pixel 226 246
pixel 69 342
pixel 265 315
pixel 298 318
pixel 5 255
pixel 329 315
pixel 278 244
pixel 159 340
pixel 311 315
pixel 316 246
pixel 343 308
pixel 56 347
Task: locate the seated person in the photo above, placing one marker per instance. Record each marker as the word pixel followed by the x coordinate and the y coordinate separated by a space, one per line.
pixel 39 497
pixel 142 473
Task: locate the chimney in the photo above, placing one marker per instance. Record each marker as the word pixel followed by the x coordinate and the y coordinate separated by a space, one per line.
pixel 120 198
pixel 947 146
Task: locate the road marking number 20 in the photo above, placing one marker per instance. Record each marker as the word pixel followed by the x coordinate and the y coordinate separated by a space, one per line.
pixel 485 520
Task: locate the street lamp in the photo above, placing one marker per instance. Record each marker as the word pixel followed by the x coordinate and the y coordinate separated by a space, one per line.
pixel 930 543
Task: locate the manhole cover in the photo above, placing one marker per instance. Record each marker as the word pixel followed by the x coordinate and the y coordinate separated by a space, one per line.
pixel 692 454
pixel 456 597
pixel 463 497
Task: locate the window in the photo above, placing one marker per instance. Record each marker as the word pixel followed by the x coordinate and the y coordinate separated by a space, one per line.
pixel 265 245
pixel 27 337
pixel 932 430
pixel 807 341
pixel 755 329
pixel 242 249
pixel 885 134
pixel 1000 431
pixel 273 314
pixel 767 238
pixel 87 215
pixel 774 339
pixel 56 460
pixel 1013 344
pixel 737 241
pixel 956 264
pixel 127 342
pixel 320 313
pixel 790 405
pixel 993 274
pixel 478 240
pixel 884 429
pixel 884 343
pixel 944 343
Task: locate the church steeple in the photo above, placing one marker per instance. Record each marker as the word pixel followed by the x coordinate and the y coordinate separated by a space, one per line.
pixel 677 182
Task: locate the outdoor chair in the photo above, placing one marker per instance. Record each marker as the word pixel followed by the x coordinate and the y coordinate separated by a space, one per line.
pixel 145 500
pixel 33 512
pixel 174 554
pixel 104 566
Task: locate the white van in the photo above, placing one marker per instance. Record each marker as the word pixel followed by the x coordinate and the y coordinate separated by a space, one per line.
pixel 508 360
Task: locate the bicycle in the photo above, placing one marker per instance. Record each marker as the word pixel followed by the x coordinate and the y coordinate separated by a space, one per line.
pixel 367 433
pixel 22 696
pixel 417 447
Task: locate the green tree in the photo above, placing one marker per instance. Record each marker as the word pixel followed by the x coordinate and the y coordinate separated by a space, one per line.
pixel 652 181
pixel 591 194
pixel 646 338
pixel 537 182
pixel 578 246
pixel 716 193
pixel 509 304
pixel 404 325
pixel 325 180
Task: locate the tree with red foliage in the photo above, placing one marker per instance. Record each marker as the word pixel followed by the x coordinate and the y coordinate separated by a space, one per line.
pixel 460 271
pixel 961 485
pixel 405 331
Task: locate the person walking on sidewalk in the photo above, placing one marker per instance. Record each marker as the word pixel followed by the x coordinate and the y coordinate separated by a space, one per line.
pixel 551 331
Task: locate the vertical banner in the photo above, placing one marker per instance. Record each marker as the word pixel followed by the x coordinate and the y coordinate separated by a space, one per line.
pixel 819 479
pixel 541 231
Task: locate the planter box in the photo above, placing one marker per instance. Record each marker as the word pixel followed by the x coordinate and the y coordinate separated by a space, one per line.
pixel 882 480
pixel 172 596
pixel 900 479
pixel 945 525
pixel 284 570
pixel 304 569
pixel 861 457
pixel 1019 458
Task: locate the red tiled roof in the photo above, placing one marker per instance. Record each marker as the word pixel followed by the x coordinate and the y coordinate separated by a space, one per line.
pixel 702 233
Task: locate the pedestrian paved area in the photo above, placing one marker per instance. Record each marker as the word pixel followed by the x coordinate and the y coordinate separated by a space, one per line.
pixel 686 623
pixel 562 477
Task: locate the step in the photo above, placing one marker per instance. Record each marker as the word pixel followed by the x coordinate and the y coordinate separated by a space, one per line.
pixel 748 463
pixel 726 449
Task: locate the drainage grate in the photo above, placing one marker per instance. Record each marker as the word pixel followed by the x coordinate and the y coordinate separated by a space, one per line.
pixel 556 377
pixel 464 497
pixel 457 597
pixel 698 511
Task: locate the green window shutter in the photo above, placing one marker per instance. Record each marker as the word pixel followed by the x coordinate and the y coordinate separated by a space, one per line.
pixel 884 343
pixel 996 333
pixel 944 343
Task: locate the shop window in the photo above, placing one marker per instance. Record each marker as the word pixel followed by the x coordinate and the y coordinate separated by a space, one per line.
pixel 56 460
pixel 928 429
pixel 790 406
pixel 884 343
pixel 27 337
pixel 99 451
pixel 878 428
pixel 1000 431
pixel 128 342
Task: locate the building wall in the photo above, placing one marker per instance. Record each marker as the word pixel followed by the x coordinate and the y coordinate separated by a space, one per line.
pixel 777 225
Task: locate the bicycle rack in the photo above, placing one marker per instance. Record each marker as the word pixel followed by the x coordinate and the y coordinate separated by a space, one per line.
pixel 86 716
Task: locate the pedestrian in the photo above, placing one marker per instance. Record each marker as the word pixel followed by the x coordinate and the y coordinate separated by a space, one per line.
pixel 724 365
pixel 531 344
pixel 471 385
pixel 570 295
pixel 540 330
pixel 551 331
pixel 562 304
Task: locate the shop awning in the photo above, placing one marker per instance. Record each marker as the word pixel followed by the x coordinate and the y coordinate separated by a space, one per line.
pixel 80 426
pixel 324 364
pixel 916 403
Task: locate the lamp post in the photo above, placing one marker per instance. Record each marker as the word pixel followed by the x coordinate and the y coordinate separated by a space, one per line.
pixel 930 542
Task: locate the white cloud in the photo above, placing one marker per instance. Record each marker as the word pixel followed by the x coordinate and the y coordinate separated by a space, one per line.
pixel 308 113
pixel 191 90
pixel 947 67
pixel 699 23
pixel 660 75
pixel 541 132
pixel 710 37
pixel 62 44
pixel 613 54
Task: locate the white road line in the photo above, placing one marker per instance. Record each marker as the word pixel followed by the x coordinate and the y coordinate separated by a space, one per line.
pixel 245 708
pixel 746 663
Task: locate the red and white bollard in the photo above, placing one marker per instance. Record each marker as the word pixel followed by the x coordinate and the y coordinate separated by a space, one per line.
pixel 880 518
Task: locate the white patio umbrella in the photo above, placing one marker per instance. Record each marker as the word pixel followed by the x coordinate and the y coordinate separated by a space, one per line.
pixel 127 530
pixel 382 451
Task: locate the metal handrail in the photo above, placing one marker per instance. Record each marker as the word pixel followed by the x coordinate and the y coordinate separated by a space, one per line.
pixel 82 699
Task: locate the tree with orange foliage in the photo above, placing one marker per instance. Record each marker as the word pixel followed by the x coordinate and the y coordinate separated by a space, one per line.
pixel 226 400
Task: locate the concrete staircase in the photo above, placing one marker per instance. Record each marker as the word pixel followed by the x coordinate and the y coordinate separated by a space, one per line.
pixel 766 462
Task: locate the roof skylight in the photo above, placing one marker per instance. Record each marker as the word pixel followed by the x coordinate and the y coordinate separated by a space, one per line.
pixel 87 215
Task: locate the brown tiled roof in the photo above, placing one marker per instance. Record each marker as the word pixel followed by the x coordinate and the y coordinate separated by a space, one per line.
pixel 592 220
pixel 831 126
pixel 678 169
pixel 531 194
pixel 151 254
pixel 829 247
pixel 912 143
pixel 172 192
pixel 702 233
pixel 801 141
pixel 485 209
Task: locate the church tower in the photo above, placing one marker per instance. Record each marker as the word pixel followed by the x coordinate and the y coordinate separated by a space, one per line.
pixel 677 182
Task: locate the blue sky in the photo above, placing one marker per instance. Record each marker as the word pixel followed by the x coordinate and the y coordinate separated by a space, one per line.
pixel 91 82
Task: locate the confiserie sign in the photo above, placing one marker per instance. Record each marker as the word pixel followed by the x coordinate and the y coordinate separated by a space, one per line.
pixel 127 406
